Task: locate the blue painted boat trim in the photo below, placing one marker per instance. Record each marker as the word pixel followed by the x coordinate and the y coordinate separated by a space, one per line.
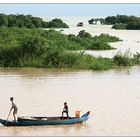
pixel 46 122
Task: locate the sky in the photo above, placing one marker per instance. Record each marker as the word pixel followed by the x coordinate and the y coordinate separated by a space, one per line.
pixel 71 9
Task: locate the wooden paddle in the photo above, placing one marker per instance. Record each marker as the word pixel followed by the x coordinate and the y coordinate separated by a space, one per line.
pixel 8 117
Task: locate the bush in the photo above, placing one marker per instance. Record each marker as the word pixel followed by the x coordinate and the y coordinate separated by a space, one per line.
pixel 123 59
pixel 32 46
pixel 9 57
pixel 133 26
pixel 102 64
pixel 98 45
pixel 119 26
pixel 84 34
pixel 93 43
pixel 136 58
pixel 106 38
pixel 57 23
pixel 59 58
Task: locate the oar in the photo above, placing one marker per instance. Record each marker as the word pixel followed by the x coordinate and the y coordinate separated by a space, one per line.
pixel 8 117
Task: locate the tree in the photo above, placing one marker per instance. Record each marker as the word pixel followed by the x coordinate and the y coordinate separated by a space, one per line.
pixel 30 25
pixel 37 22
pixel 44 24
pixel 111 20
pixel 32 46
pixel 84 34
pixel 57 23
pixel 20 20
pixel 3 20
pixel 12 20
pixel 133 26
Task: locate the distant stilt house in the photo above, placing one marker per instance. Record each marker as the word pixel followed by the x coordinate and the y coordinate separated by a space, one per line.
pixel 80 24
pixel 96 22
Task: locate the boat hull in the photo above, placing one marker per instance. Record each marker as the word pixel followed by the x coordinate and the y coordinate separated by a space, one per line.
pixel 49 121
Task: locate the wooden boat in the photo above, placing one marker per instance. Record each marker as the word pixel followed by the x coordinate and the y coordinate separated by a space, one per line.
pixel 80 24
pixel 34 121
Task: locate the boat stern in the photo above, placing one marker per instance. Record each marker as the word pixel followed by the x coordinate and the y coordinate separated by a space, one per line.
pixel 3 122
pixel 8 123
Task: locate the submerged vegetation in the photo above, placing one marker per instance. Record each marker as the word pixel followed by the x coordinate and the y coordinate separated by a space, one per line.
pixel 22 47
pixel 88 42
pixel 50 48
pixel 123 59
pixel 26 45
pixel 119 26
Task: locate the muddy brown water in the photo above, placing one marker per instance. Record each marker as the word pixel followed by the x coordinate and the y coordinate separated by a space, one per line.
pixel 113 97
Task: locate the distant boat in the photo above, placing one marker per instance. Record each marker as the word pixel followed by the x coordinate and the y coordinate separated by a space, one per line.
pixel 35 121
pixel 80 24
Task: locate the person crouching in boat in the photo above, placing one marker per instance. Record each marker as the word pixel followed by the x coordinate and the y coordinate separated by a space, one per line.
pixel 14 107
pixel 65 110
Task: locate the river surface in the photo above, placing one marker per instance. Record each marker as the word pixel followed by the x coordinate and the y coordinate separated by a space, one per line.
pixel 113 97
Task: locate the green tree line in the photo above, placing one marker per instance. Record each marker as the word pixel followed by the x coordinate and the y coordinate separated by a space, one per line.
pixel 124 22
pixel 121 19
pixel 29 21
pixel 120 22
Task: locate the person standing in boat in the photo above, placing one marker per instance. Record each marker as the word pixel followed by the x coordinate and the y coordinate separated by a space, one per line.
pixel 65 110
pixel 14 107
